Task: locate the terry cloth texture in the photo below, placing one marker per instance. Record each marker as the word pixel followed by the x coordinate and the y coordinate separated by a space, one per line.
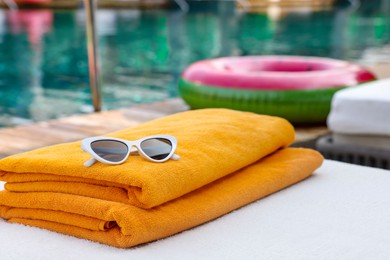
pixel 228 159
pixel 362 110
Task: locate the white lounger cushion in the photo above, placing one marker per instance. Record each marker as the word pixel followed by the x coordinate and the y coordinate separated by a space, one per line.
pixel 341 212
pixel 362 110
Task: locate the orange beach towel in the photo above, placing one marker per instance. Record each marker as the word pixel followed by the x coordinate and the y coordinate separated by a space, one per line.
pixel 228 159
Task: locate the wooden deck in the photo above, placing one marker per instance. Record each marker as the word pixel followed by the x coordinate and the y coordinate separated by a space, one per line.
pixel 23 138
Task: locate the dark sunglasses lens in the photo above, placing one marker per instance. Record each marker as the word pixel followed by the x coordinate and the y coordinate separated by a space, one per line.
pixel 110 150
pixel 157 148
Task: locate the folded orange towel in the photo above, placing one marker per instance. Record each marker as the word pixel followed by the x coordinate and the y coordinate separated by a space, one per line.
pixel 124 225
pixel 212 143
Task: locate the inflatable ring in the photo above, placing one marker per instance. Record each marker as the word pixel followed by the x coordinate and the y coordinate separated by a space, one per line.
pixel 299 89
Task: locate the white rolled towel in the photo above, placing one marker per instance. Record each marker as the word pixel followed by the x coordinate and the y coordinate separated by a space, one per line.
pixel 364 109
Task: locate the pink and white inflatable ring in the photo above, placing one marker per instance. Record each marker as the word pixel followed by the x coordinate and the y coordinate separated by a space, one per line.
pixel 276 73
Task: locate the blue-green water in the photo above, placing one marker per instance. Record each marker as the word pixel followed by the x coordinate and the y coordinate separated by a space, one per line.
pixel 43 58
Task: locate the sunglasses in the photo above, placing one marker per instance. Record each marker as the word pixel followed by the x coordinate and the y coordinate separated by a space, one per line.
pixel 156 148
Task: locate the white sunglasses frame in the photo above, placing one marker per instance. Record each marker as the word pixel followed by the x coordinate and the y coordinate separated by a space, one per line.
pixel 86 146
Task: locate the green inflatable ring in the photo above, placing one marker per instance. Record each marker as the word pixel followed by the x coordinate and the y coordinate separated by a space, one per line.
pixel 297 106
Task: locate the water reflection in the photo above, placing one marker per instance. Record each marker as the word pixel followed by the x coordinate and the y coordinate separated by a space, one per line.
pixel 43 57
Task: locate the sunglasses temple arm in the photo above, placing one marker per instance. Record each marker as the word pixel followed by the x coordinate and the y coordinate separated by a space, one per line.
pixel 90 162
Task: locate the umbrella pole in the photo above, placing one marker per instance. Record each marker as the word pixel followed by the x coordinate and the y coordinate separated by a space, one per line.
pixel 93 59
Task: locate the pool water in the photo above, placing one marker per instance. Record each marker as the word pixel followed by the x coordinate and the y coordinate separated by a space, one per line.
pixel 43 57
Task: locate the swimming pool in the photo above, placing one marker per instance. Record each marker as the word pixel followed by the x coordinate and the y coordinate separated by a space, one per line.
pixel 43 57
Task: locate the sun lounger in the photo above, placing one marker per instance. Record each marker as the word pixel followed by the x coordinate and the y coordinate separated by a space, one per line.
pixel 341 212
